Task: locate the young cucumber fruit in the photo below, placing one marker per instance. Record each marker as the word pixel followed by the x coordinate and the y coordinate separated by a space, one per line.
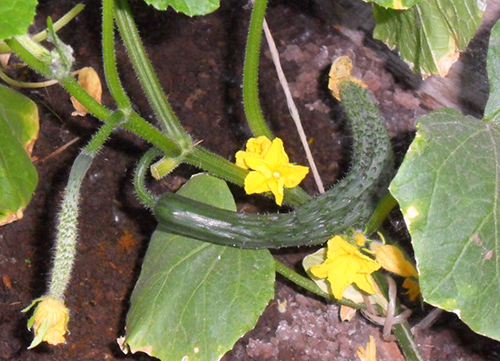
pixel 350 202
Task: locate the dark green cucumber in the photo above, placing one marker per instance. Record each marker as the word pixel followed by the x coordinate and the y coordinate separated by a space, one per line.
pixel 348 203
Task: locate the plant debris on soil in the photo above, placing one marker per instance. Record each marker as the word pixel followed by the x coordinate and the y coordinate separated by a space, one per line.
pixel 199 62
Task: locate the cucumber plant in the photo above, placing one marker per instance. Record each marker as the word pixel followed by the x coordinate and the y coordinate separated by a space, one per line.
pixel 191 228
pixel 349 203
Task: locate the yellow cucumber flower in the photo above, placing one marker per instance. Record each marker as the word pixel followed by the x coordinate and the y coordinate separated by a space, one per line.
pixel 49 321
pixel 271 169
pixel 345 265
pixel 393 260
pixel 369 353
pixel 255 146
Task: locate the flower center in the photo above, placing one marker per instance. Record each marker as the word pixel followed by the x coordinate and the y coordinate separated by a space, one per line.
pixel 276 175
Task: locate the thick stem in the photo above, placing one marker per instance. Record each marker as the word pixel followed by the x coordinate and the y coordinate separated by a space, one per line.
pixel 147 77
pixel 109 59
pixel 251 102
pixel 386 204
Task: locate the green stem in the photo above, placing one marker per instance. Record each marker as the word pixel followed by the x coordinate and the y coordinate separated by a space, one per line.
pixel 42 35
pixel 406 341
pixel 67 227
pixel 24 84
pixel 135 123
pixel 147 77
pixel 251 102
pixel 384 207
pixel 309 285
pixel 196 156
pixel 145 196
pixel 109 59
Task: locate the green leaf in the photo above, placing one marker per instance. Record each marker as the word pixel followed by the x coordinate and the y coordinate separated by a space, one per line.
pixel 18 132
pixel 492 109
pixel 15 17
pixel 194 300
pixel 448 188
pixel 430 35
pixel 394 4
pixel 188 7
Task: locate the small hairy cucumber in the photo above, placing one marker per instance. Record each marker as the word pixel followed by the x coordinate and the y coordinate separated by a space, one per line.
pixel 348 203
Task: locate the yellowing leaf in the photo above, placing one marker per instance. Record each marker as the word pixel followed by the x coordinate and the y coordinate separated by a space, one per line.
pixel 18 131
pixel 90 81
pixel 429 35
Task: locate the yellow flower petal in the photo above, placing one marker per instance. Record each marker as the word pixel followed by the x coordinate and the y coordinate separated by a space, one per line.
pixel 369 353
pixel 393 260
pixel 240 159
pixel 293 174
pixel 276 154
pixel 256 147
pixel 413 288
pixel 277 188
pixel 255 182
pixel 345 265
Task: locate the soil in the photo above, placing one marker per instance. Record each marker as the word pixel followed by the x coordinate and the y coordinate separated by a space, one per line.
pixel 199 62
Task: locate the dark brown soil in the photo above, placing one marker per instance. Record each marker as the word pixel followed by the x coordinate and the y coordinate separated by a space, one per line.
pixel 199 62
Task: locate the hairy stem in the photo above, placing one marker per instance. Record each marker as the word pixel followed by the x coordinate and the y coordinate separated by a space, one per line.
pixel 251 102
pixel 147 77
pixel 108 55
pixel 144 195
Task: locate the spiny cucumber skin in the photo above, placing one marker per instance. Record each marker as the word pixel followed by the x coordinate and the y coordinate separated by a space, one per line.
pixel 347 204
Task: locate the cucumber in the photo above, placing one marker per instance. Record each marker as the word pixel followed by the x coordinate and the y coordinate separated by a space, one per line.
pixel 348 203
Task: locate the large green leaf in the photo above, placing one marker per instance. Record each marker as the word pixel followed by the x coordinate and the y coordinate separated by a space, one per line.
pixel 15 17
pixel 448 188
pixel 430 35
pixel 18 132
pixel 188 7
pixel 395 4
pixel 194 300
pixel 492 110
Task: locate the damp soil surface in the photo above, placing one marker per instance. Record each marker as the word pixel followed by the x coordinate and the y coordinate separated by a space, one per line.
pixel 199 61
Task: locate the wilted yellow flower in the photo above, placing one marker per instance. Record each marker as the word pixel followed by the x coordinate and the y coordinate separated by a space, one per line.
pixel 255 146
pixel 49 321
pixel 413 288
pixel 340 72
pixel 369 353
pixel 345 265
pixel 393 260
pixel 271 170
pixel 90 81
